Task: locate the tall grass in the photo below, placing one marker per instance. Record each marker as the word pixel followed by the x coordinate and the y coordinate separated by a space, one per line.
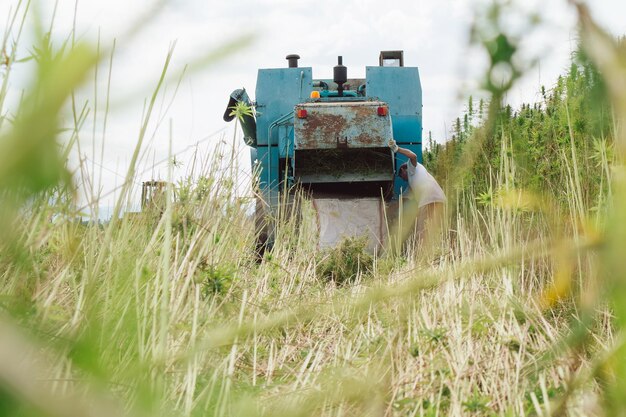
pixel 516 311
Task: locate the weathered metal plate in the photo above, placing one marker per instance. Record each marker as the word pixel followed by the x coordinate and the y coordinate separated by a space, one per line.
pixel 341 126
pixel 341 218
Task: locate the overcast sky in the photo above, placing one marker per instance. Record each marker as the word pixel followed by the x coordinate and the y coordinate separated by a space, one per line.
pixel 433 35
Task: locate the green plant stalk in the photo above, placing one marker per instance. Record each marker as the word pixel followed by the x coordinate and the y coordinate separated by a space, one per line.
pixel 131 168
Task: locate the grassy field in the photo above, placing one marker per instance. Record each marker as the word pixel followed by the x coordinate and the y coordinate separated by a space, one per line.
pixel 517 309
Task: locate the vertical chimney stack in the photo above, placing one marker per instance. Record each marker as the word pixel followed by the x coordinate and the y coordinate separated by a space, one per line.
pixel 340 75
pixel 293 60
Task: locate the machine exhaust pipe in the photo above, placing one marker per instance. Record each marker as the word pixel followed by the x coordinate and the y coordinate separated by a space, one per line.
pixel 293 60
pixel 340 75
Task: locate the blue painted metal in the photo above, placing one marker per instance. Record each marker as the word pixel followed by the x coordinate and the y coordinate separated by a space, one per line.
pixel 279 91
pixel 346 93
pixel 285 139
pixel 268 157
pixel 406 129
pixel 401 89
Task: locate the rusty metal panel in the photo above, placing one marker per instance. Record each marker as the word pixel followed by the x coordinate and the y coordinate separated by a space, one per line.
pixel 341 125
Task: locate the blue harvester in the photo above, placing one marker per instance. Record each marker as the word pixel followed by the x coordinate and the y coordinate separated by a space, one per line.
pixel 331 137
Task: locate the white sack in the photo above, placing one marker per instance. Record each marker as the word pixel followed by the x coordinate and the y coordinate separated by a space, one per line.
pixel 350 217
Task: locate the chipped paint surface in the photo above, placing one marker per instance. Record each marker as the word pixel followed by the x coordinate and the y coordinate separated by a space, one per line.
pixel 341 125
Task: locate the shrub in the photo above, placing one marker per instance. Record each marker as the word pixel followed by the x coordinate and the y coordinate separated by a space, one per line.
pixel 343 263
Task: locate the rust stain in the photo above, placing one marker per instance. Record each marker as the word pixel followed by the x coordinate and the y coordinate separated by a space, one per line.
pixel 365 138
pixel 324 126
pixel 342 126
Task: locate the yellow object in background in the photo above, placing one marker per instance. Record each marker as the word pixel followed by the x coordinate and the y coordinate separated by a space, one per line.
pixel 315 94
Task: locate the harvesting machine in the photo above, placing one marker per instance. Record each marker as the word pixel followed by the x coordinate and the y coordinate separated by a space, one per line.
pixel 330 138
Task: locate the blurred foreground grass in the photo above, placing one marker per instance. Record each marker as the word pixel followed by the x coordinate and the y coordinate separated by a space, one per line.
pixel 520 311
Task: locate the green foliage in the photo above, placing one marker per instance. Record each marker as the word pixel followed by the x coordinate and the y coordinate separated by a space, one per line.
pixel 345 262
pixel 539 396
pixel 241 110
pixel 214 279
pixel 477 404
pixel 436 335
pixel 539 138
pixel 560 157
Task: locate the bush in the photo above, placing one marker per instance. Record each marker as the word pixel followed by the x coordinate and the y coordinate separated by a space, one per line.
pixel 343 263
